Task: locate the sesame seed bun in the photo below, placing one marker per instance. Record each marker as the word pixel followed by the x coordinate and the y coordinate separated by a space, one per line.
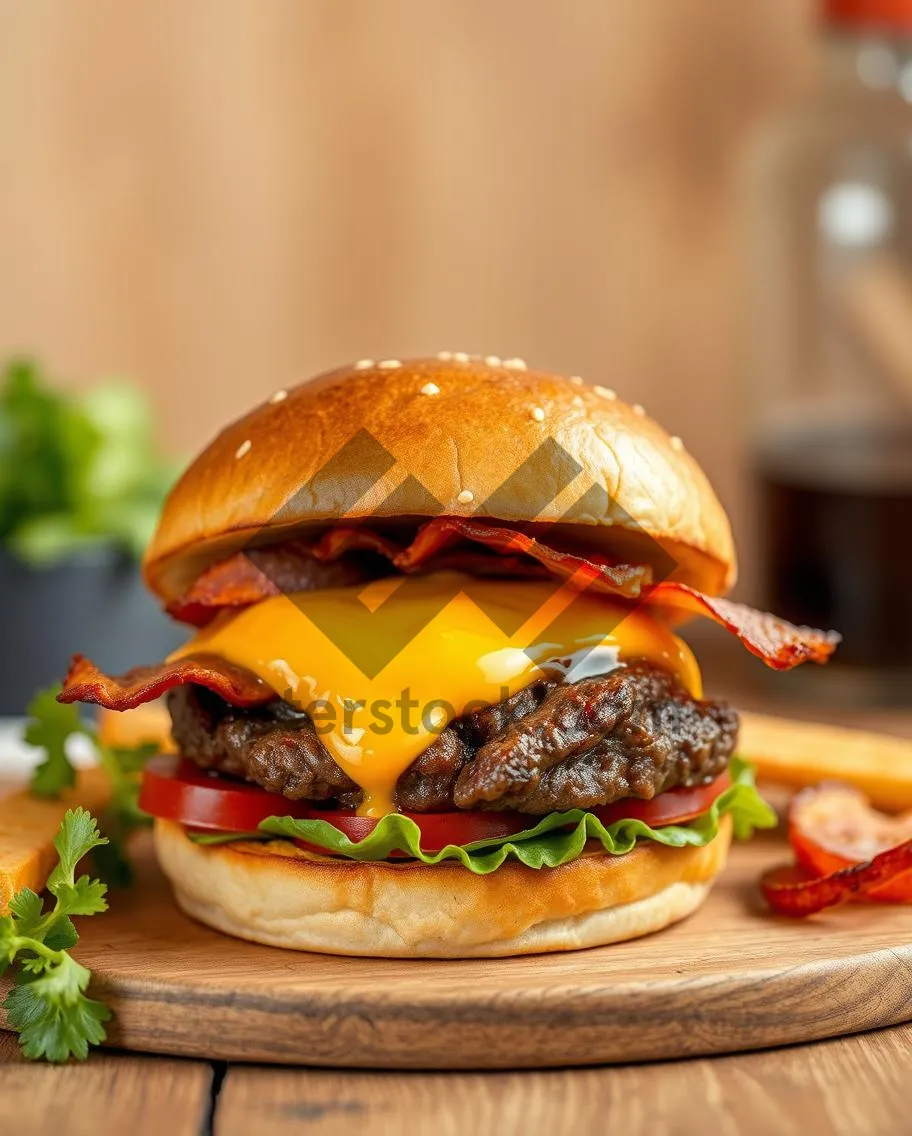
pixel 276 894
pixel 461 427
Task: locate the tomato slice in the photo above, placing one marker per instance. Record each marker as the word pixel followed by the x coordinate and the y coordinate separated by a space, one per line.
pixel 674 806
pixel 175 789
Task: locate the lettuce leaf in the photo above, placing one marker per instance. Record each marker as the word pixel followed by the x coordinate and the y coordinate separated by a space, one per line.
pixel 556 839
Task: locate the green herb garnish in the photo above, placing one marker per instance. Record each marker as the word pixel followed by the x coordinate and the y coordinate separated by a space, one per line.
pixel 76 471
pixel 48 1006
pixel 50 724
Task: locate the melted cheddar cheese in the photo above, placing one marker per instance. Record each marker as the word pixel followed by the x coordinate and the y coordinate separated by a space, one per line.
pixel 382 669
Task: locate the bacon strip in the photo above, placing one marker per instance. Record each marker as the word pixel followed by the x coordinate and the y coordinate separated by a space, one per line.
pixel 86 683
pixel 338 541
pixel 788 895
pixel 832 826
pixel 626 580
pixel 249 577
pixel 235 582
pixel 780 644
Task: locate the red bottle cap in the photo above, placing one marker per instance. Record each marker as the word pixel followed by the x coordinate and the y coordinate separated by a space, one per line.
pixel 892 15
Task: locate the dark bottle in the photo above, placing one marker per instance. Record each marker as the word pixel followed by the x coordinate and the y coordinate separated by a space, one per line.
pixel 833 384
pixel 836 514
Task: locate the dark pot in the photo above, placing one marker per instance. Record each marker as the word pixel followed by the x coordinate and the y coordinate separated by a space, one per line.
pixel 93 603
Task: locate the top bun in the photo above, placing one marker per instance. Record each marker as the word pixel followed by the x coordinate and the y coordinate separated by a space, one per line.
pixel 461 427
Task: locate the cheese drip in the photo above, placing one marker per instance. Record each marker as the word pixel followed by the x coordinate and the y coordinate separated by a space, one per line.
pixel 382 669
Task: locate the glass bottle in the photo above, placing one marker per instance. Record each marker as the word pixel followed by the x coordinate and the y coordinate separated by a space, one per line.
pixel 832 394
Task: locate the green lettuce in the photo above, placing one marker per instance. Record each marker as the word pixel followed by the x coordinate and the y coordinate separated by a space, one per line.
pixel 556 839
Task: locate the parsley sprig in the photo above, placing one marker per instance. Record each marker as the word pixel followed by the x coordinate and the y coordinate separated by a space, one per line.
pixel 48 1006
pixel 49 727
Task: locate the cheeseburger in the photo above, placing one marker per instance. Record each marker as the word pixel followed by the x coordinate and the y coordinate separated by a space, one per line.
pixel 434 702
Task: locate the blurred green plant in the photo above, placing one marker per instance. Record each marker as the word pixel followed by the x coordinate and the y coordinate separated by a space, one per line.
pixel 76 471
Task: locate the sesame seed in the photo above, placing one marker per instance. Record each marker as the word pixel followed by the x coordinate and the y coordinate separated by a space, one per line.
pixel 466 497
pixel 444 356
pixel 461 356
pixel 537 413
pixel 576 380
pixel 515 364
pixel 243 449
pixel 577 401
pixel 389 364
pixel 279 396
pixel 363 364
pixel 604 392
pixel 493 360
pixel 675 442
pixel 638 409
pixel 430 388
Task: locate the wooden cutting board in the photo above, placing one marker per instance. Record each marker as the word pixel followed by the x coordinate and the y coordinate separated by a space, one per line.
pixel 732 977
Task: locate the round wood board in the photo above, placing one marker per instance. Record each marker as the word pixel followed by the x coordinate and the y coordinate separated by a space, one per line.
pixel 731 977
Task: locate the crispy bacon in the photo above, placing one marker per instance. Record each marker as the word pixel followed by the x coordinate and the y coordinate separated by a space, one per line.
pixel 86 683
pixel 246 578
pixel 832 826
pixel 780 644
pixel 257 574
pixel 235 582
pixel 626 580
pixel 338 541
pixel 788 893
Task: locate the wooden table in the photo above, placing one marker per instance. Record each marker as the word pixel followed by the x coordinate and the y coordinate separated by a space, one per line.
pixel 856 1086
pixel 849 1087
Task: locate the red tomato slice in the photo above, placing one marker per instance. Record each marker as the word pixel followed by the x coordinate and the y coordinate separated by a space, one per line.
pixel 175 789
pixel 675 806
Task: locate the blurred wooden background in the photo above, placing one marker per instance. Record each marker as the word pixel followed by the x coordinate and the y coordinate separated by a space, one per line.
pixel 219 198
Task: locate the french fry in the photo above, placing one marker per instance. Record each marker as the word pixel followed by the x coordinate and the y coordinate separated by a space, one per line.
pixel 148 723
pixel 28 825
pixel 798 754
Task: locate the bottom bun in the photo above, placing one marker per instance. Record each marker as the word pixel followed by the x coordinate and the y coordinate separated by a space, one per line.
pixel 277 894
pixel 281 895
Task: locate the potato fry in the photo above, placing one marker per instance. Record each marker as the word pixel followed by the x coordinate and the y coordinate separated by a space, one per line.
pixel 148 723
pixel 28 826
pixel 797 754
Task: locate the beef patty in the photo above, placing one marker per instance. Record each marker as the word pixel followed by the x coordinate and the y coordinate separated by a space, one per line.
pixel 634 732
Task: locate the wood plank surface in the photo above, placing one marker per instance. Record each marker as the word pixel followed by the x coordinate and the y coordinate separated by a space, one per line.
pixel 109 1095
pixel 848 1087
pixel 732 977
